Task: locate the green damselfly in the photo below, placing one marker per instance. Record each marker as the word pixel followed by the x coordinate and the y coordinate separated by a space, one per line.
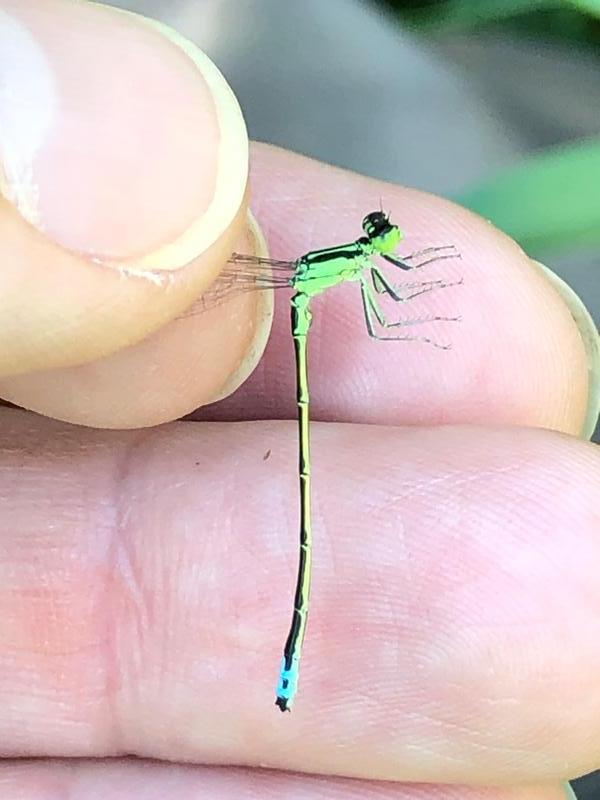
pixel 308 276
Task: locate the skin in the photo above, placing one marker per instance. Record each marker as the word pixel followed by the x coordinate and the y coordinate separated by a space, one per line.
pixel 146 574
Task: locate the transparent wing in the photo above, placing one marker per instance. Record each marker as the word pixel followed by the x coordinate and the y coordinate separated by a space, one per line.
pixel 273 264
pixel 241 274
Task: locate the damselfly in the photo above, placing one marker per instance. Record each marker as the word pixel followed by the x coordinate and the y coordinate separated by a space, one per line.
pixel 308 276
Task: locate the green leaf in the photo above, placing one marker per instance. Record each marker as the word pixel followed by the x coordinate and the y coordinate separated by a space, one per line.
pixel 549 201
pixel 463 14
pixel 590 6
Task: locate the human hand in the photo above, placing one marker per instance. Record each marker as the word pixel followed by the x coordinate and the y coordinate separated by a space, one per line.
pixel 147 575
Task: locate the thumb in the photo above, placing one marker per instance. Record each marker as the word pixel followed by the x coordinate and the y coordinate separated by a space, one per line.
pixel 123 172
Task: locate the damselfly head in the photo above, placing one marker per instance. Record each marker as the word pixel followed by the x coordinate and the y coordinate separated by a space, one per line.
pixel 383 234
pixel 375 223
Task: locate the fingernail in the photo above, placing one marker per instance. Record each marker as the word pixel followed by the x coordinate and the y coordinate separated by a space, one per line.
pixel 591 341
pixel 118 139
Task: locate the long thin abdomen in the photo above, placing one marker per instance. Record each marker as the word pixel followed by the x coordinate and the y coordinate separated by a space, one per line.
pixel 288 679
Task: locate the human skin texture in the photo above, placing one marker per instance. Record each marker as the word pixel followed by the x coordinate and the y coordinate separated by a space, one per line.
pixel 146 572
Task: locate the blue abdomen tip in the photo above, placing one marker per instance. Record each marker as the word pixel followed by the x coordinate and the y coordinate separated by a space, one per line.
pixel 287 685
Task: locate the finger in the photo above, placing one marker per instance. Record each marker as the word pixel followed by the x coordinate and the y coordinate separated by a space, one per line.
pixel 171 373
pixel 123 160
pixel 517 356
pixel 126 780
pixel 121 195
pixel 146 587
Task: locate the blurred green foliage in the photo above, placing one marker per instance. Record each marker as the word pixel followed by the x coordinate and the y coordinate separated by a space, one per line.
pixel 566 19
pixel 550 200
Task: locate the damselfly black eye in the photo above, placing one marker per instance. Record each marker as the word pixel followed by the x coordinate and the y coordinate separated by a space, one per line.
pixel 375 223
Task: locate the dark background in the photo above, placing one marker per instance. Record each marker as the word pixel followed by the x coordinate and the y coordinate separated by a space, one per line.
pixel 439 101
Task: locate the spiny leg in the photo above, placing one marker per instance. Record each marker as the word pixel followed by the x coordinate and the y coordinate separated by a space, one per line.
pixel 429 286
pixel 383 286
pixel 401 262
pixel 426 250
pixel 371 307
pixel 420 320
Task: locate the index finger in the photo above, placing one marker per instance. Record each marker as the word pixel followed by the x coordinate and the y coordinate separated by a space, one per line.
pixel 517 355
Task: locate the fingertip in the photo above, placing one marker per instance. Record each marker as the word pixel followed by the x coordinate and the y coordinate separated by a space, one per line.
pixel 125 187
pixel 517 356
pixel 142 164
pixel 590 338
pixel 194 360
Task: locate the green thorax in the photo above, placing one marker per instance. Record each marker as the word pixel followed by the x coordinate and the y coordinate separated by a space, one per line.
pixel 321 269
